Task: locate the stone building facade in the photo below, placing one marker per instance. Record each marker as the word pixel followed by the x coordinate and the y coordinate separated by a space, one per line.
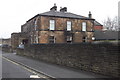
pixel 59 27
pixel 5 41
pixel 18 38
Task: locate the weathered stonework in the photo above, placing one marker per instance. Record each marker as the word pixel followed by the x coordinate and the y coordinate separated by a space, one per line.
pixel 98 58
pixel 5 41
pixel 16 39
pixel 38 27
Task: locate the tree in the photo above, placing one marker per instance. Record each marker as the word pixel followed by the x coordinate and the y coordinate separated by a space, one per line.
pixel 111 24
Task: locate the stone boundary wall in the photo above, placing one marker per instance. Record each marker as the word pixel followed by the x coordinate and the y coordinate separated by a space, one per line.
pixel 6 49
pixel 97 58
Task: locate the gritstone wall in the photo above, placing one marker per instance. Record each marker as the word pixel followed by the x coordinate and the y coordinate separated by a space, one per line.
pixel 97 58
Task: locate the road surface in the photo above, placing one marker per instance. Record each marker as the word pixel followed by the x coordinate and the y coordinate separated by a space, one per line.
pixel 12 70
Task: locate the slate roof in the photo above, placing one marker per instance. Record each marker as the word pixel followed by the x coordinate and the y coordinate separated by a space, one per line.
pixel 107 35
pixel 97 23
pixel 64 14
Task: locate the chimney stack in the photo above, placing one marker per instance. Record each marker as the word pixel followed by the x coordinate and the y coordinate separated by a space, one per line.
pixel 90 15
pixel 54 8
pixel 63 9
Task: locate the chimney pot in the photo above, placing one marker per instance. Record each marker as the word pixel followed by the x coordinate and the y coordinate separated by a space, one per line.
pixel 90 15
pixel 63 9
pixel 54 4
pixel 54 8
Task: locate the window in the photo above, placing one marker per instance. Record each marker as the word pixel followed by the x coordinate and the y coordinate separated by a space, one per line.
pixel 35 27
pixel 35 21
pixel 84 39
pixel 69 26
pixel 51 39
pixel 69 39
pixel 52 24
pixel 36 39
pixel 84 26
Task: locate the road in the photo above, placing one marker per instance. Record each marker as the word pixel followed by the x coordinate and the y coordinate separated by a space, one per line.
pixel 11 69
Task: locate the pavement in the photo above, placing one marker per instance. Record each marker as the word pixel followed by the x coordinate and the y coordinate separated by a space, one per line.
pixel 53 70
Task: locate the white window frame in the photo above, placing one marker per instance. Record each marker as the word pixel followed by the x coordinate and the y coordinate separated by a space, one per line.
pixel 84 26
pixel 53 39
pixel 69 25
pixel 69 38
pixel 35 27
pixel 52 24
pixel 36 39
pixel 36 22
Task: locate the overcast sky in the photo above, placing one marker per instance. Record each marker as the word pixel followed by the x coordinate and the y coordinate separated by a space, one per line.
pixel 14 13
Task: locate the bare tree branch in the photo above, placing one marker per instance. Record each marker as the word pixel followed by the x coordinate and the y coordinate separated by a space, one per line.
pixel 111 24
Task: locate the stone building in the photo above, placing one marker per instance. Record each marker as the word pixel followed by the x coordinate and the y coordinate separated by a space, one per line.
pixel 59 27
pixel 5 41
pixel 18 38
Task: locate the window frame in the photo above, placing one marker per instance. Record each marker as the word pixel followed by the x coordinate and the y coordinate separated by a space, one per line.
pixel 69 39
pixel 84 26
pixel 36 39
pixel 84 39
pixel 69 26
pixel 51 40
pixel 51 25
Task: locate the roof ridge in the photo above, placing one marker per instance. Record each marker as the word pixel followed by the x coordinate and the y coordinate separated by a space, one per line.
pixel 64 14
